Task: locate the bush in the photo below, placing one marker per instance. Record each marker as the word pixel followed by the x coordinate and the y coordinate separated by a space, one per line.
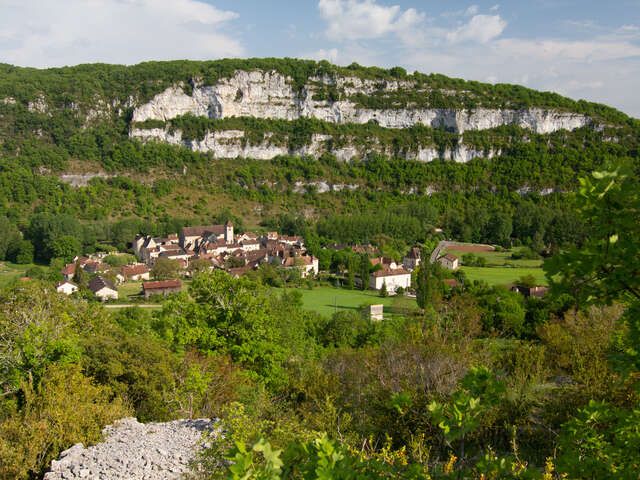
pixel 65 408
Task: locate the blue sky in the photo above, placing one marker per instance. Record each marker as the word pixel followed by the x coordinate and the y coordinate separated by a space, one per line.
pixel 583 49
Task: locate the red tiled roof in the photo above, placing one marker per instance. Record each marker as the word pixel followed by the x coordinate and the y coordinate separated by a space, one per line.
pixel 69 269
pixel 199 231
pixel 390 273
pixel 130 270
pixel 450 257
pixel 161 284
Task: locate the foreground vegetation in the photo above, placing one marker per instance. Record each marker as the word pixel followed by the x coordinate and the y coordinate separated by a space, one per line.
pixel 479 383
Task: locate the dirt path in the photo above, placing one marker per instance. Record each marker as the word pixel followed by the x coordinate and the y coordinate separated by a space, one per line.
pixel 141 305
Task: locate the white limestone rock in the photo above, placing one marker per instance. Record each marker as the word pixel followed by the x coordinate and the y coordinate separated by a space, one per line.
pixel 271 95
pixel 132 450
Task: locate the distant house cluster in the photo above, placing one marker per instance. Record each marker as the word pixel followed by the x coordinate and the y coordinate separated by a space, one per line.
pixel 222 248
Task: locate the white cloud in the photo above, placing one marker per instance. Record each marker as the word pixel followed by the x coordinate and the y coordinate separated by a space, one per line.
pixel 596 50
pixel 495 7
pixel 472 10
pixel 481 28
pixel 44 33
pixel 331 55
pixel 364 19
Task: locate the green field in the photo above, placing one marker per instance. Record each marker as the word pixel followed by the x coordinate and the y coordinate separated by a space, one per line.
pixel 503 275
pixel 499 259
pixel 327 300
pixel 10 272
pixel 127 289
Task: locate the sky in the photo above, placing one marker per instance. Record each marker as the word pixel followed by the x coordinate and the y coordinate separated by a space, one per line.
pixel 581 49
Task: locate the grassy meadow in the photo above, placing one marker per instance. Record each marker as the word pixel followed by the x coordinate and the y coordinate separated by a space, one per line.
pixel 10 272
pixel 503 275
pixel 327 300
pixel 501 269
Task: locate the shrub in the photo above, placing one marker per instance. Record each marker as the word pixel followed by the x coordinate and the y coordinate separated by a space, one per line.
pixel 65 408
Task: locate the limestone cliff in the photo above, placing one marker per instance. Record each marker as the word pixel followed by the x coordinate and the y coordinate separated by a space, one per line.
pixel 231 144
pixel 270 95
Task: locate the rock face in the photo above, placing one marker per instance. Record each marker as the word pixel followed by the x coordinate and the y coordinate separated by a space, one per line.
pixel 135 451
pixel 270 95
pixel 231 144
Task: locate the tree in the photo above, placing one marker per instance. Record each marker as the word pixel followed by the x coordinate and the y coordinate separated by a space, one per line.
pixel 429 286
pixel 119 260
pixel 605 269
pixel 231 315
pixel 81 276
pixel 165 269
pixel 383 290
pixel 8 235
pixel 351 272
pixel 199 265
pixel 499 228
pixel 527 281
pixel 65 247
pixel 44 229
pixel 21 251
pixel 365 268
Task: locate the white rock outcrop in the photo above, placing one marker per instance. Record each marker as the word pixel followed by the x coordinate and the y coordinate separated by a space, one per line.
pixel 231 144
pixel 271 95
pixel 135 451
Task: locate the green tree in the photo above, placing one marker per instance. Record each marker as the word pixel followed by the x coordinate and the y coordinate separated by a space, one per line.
pixel 365 268
pixel 229 315
pixel 383 290
pixel 65 247
pixel 8 235
pixel 429 286
pixel 606 268
pixel 21 251
pixel 165 269
pixel 81 276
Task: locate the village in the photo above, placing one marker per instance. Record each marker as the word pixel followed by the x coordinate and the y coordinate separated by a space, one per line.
pixel 163 264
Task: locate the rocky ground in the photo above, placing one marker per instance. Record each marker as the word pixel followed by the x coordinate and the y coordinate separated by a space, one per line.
pixel 136 451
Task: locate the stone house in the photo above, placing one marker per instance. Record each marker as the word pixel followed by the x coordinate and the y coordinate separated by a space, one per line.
pixel 191 237
pixel 66 287
pixel 103 288
pixel 449 261
pixel 412 259
pixel 133 273
pixel 395 278
pixel 69 271
pixel 309 265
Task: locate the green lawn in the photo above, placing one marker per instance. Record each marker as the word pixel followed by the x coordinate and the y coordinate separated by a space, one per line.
pixel 327 300
pixel 503 275
pixel 10 272
pixel 500 259
pixel 127 289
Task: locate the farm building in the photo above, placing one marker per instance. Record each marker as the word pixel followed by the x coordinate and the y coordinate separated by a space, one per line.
pixel 164 287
